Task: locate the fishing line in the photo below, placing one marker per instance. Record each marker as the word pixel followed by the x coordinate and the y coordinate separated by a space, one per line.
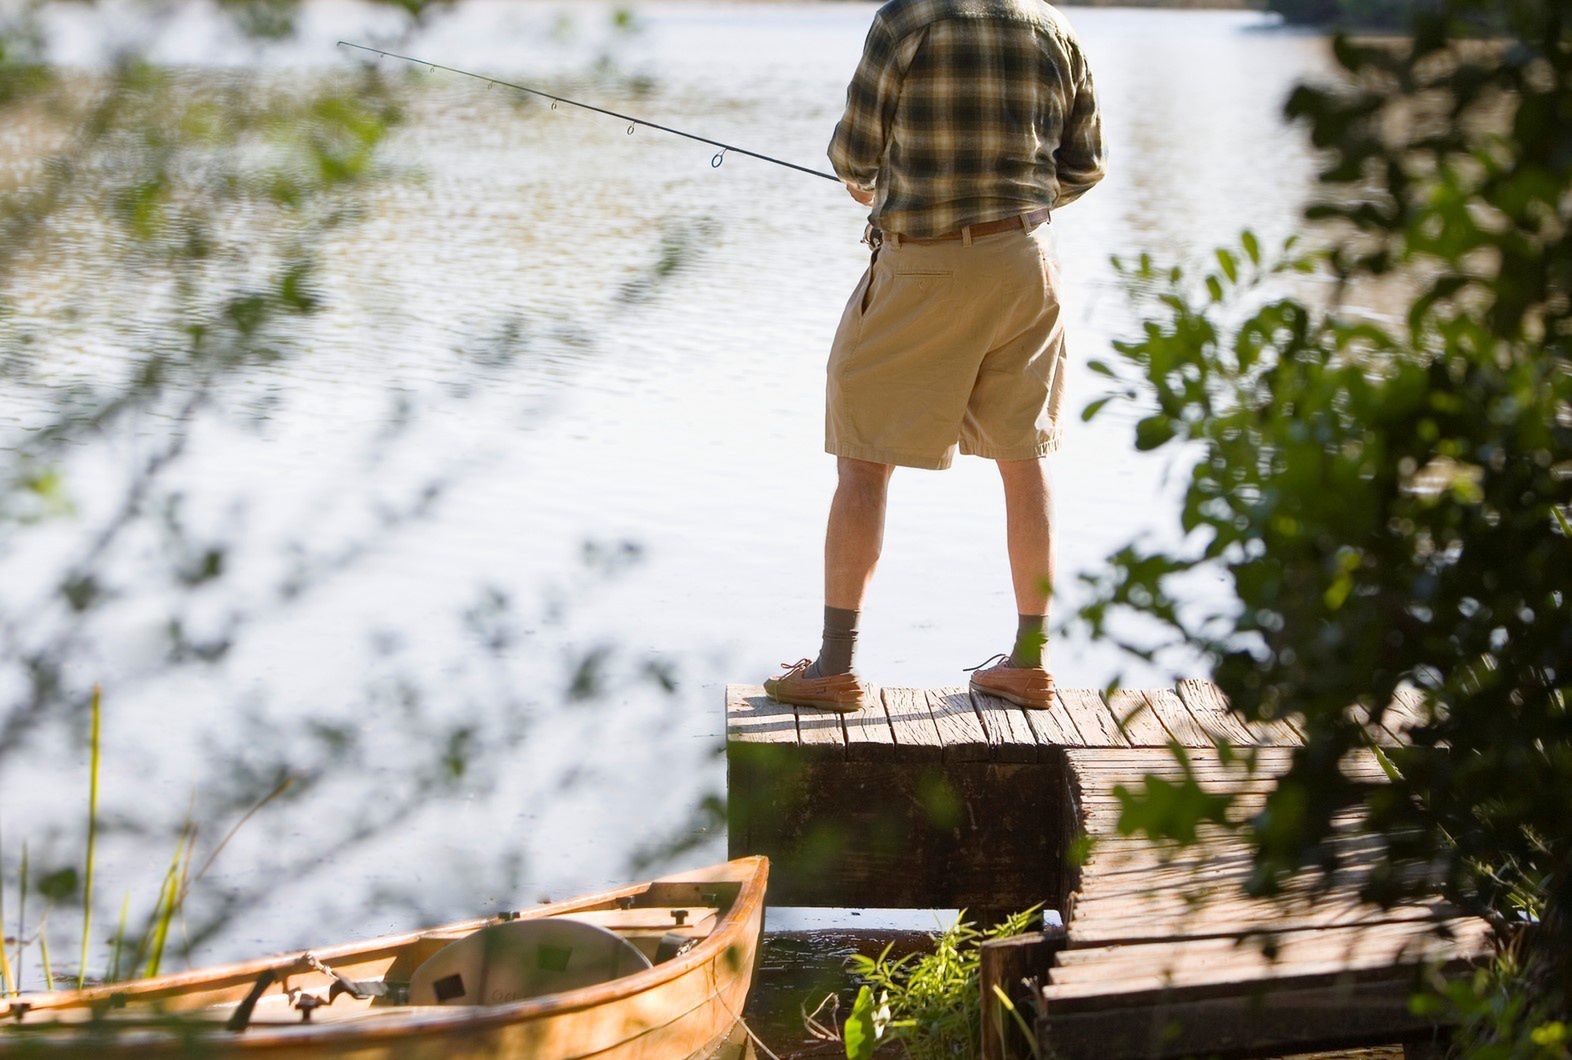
pixel 633 123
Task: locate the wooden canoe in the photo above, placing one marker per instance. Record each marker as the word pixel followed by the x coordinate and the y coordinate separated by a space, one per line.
pixel 684 1005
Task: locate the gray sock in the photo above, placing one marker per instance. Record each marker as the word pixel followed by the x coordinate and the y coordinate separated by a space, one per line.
pixel 1031 642
pixel 840 641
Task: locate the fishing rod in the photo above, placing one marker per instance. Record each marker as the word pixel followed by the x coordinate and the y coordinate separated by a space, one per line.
pixel 715 163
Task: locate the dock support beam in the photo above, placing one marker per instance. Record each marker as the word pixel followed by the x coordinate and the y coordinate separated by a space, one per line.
pixel 881 824
pixel 1017 968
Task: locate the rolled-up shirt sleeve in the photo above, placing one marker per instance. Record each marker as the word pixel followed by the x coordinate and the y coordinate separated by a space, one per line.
pixel 858 145
pixel 1080 160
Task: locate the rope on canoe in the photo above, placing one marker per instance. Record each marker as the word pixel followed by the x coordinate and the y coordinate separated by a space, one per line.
pixel 747 1029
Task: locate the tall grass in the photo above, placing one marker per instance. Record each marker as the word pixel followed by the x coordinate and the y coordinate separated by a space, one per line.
pixel 130 956
pixel 43 951
pixel 21 912
pixel 92 835
pixel 120 940
pixel 169 899
pixel 7 981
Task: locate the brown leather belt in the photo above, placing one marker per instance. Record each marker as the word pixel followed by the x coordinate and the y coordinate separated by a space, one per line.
pixel 1027 221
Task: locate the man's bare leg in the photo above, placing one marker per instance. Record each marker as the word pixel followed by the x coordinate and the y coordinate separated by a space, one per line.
pixel 852 543
pixel 1028 503
pixel 855 535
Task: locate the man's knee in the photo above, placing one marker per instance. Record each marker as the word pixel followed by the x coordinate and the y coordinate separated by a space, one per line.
pixel 864 478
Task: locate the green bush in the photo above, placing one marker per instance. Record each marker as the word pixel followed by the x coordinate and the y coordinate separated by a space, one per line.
pixel 1385 501
pixel 928 1003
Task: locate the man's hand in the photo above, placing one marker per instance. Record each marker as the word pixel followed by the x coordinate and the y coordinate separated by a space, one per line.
pixel 861 194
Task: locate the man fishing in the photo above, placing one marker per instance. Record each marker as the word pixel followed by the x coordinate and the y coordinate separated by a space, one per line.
pixel 967 122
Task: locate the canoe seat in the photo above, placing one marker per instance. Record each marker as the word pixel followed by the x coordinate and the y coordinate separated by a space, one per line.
pixel 523 959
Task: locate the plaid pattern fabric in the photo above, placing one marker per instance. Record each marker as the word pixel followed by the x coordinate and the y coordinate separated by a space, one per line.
pixel 966 111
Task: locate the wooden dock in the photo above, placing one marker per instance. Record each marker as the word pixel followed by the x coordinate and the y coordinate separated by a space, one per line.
pixel 1166 956
pixel 939 798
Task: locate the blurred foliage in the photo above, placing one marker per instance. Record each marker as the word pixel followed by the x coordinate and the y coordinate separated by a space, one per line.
pixel 1497 1019
pixel 927 1002
pixel 1367 14
pixel 155 194
pixel 1384 501
pixel 192 208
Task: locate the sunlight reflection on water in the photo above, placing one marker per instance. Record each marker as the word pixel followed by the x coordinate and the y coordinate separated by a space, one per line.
pixel 690 421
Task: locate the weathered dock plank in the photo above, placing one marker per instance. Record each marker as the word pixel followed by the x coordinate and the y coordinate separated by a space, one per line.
pixel 823 729
pixel 1052 728
pixel 1374 731
pixel 869 735
pixel 1094 720
pixel 1009 731
pixel 753 717
pixel 1212 715
pixel 1203 697
pixel 1177 718
pixel 1347 1014
pixel 1136 718
pixel 911 723
pixel 1125 976
pixel 1166 955
pixel 961 733
pixel 1406 712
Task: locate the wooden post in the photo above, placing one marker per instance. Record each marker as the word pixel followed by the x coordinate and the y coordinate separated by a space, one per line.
pixel 1017 967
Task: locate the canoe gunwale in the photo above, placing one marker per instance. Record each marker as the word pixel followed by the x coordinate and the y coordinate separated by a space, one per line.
pixel 750 873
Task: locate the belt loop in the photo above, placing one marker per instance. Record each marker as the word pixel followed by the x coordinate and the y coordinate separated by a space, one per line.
pixel 966 236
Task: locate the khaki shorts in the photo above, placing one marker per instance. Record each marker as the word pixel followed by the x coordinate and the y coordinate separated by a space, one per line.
pixel 945 344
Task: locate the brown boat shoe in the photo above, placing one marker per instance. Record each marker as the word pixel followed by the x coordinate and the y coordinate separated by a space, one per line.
pixel 842 693
pixel 1026 686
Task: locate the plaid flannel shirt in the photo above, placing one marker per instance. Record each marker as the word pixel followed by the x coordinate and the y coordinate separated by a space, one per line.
pixel 966 111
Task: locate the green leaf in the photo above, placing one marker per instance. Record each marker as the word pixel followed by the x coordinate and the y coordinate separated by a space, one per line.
pixel 1550 1035
pixel 1165 809
pixel 1080 850
pixel 861 1033
pixel 1393 774
pixel 293 289
pixel 1093 408
pixel 60 885
pixel 1229 264
pixel 1153 432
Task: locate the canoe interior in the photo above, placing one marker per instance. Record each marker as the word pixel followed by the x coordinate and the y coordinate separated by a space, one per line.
pixel 669 921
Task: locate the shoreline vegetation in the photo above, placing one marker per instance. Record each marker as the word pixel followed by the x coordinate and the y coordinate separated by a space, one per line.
pixel 1155 5
pixel 1326 15
pixel 1171 5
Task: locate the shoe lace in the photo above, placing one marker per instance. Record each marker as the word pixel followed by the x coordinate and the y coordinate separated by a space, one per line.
pixel 797 668
pixel 1001 657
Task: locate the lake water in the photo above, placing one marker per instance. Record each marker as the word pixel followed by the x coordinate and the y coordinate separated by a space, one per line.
pixel 686 420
